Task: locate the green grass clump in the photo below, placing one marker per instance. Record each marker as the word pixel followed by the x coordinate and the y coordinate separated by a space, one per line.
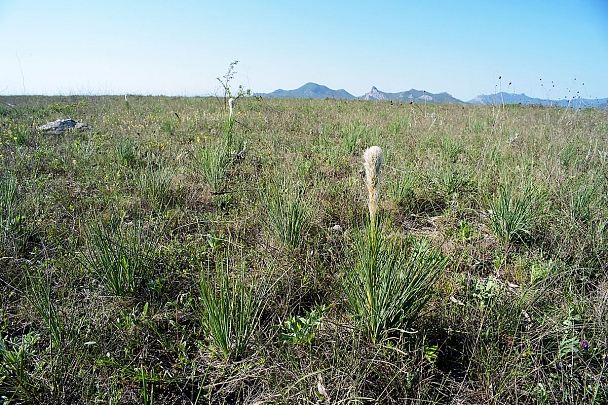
pixel 391 282
pixel 231 309
pixel 512 216
pixel 287 213
pixel 9 215
pixel 121 258
pixel 126 152
pixel 154 185
pixel 215 158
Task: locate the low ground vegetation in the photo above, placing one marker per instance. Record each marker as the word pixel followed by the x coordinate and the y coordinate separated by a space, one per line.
pixel 170 254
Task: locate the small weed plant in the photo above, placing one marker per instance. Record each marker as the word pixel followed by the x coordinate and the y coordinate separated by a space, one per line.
pixel 300 329
pixel 17 357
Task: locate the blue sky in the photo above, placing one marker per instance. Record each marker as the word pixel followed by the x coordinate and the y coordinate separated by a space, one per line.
pixel 181 47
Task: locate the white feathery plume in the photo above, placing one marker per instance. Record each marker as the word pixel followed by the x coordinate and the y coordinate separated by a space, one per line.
pixel 372 162
pixel 231 106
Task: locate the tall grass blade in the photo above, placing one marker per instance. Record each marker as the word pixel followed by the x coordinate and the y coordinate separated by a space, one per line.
pixel 154 186
pixel 45 305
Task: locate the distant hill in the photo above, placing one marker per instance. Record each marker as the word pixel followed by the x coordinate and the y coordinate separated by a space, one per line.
pixel 310 90
pixel 506 98
pixel 413 95
pixel 511 98
pixel 318 91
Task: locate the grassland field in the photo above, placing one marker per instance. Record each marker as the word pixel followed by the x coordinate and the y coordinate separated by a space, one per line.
pixel 172 254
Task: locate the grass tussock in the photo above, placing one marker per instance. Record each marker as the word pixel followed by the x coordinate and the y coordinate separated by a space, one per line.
pixel 178 253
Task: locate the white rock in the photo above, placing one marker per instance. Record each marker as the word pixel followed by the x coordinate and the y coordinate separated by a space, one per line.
pixel 60 126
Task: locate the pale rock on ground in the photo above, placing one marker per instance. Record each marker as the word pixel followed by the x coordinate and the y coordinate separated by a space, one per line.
pixel 60 126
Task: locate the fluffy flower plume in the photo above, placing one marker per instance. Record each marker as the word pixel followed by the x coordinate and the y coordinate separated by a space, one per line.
pixel 231 106
pixel 372 161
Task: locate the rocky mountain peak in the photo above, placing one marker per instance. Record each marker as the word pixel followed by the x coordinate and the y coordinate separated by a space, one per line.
pixel 374 94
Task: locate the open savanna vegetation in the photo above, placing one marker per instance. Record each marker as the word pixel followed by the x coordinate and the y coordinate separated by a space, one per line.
pixel 172 254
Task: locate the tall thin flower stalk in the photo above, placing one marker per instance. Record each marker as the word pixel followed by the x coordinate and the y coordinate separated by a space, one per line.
pixel 392 279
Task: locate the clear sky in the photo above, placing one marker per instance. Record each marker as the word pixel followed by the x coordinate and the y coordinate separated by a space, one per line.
pixel 181 47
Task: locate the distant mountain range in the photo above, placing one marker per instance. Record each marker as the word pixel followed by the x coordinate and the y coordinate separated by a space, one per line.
pixel 413 95
pixel 317 91
pixel 511 98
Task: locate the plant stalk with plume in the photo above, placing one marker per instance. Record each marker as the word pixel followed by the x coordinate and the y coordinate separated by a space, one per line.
pixel 231 106
pixel 392 279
